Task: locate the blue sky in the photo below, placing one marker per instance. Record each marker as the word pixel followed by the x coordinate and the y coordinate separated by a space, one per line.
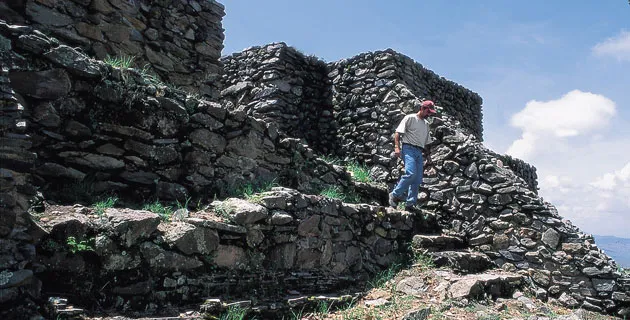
pixel 554 76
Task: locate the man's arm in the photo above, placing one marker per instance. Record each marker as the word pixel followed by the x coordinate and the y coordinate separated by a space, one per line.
pixel 397 144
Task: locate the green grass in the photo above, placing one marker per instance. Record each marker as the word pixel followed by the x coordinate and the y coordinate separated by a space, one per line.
pixel 381 278
pixel 100 206
pixel 122 62
pixel 335 192
pixel 323 308
pixel 359 172
pixel 331 160
pixel 165 212
pixel 296 315
pixel 234 313
pixel 75 246
pixel 224 212
pixel 250 191
pixel 425 262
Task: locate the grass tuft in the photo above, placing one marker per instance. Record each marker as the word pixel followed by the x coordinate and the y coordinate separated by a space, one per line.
pixel 122 62
pixel 100 206
pixel 234 313
pixel 359 172
pixel 165 212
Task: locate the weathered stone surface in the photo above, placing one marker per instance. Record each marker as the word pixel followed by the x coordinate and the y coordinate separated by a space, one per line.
pixel 190 239
pixel 48 84
pixel 466 262
pixel 46 16
pixel 283 256
pixel 50 169
pixel 131 226
pixel 551 238
pixel 74 61
pixel 310 227
pixel 121 261
pixel 244 212
pixel 437 242
pixel 412 286
pixel 160 259
pixel 15 278
pixel 69 225
pixel 281 218
pixel 208 140
pixel 228 256
pixel 473 286
pixel 90 160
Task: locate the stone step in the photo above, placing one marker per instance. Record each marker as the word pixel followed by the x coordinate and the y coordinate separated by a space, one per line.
pixel 462 261
pixel 283 308
pixel 624 283
pixel 494 284
pixel 433 243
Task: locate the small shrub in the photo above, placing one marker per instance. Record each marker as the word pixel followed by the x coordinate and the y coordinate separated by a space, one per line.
pixel 99 207
pixel 75 246
pixel 163 211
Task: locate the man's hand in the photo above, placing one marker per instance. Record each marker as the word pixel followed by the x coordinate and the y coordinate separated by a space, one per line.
pixel 397 152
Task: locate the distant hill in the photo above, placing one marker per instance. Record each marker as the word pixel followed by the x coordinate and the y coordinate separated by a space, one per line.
pixel 617 248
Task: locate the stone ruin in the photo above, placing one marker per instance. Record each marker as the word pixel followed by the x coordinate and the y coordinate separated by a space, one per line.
pixel 73 127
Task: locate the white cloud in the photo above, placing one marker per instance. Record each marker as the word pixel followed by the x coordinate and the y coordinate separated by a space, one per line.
pixel 582 159
pixel 610 181
pixel 549 123
pixel 618 47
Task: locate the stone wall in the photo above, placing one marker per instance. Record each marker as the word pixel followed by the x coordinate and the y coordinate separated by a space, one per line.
pixel 180 41
pixel 279 84
pixel 284 245
pixel 351 111
pixel 374 91
pixel 17 251
pixel 100 129
pixel 497 213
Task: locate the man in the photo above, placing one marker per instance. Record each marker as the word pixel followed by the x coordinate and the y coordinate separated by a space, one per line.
pixel 415 136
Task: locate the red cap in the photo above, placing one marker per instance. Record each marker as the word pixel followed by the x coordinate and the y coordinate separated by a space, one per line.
pixel 429 105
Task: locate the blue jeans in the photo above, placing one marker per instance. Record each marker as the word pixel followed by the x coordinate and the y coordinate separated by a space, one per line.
pixel 412 179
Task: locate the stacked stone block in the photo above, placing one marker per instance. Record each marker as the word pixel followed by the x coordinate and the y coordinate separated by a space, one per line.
pixel 180 41
pixel 18 287
pixel 277 83
pixel 98 129
pixel 498 214
pixel 285 242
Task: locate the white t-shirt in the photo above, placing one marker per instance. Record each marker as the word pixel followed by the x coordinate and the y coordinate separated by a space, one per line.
pixel 415 130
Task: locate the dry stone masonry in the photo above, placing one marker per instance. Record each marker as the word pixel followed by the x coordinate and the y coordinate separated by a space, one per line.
pixel 285 242
pixel 180 41
pixel 72 128
pixel 17 249
pixel 496 213
pixel 280 84
pixel 100 129
pixel 348 108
